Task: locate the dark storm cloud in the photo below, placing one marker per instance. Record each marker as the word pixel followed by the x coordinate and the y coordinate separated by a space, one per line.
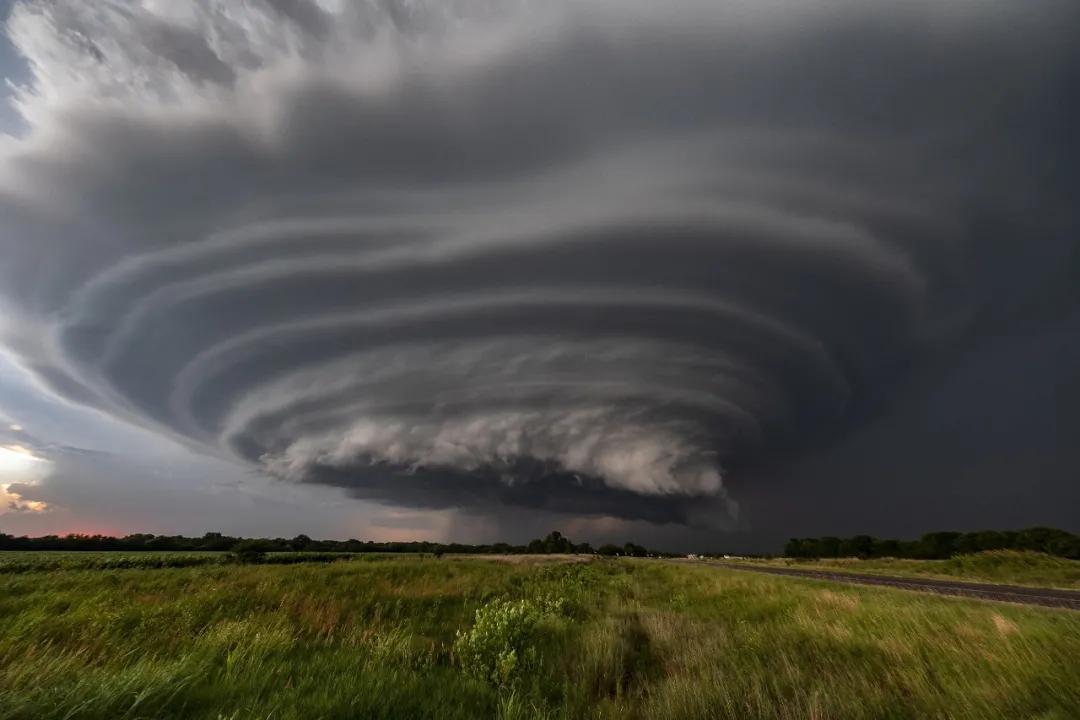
pixel 530 486
pixel 597 258
pixel 308 15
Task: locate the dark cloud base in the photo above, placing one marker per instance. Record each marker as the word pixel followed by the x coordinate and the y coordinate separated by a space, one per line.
pixel 534 487
pixel 581 259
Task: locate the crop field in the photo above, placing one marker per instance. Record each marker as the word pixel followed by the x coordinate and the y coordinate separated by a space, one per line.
pixel 420 637
pixel 1011 567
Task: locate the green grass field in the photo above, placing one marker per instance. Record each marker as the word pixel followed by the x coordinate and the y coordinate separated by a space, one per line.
pixel 411 637
pixel 1011 567
pixel 50 560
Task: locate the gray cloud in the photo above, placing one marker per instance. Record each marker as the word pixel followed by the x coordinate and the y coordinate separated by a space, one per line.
pixel 577 257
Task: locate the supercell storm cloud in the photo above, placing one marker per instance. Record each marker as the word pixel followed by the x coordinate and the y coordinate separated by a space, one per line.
pixel 588 256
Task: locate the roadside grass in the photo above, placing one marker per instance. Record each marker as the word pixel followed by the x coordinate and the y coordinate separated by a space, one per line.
pixel 1010 567
pixel 408 637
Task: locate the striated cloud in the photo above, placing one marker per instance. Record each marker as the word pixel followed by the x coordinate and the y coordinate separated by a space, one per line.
pixel 581 257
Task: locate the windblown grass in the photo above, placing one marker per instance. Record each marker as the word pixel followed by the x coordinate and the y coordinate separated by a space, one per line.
pixel 1011 567
pixel 44 561
pixel 398 638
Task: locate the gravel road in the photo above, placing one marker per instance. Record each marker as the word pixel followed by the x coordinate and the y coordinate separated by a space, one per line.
pixel 1046 597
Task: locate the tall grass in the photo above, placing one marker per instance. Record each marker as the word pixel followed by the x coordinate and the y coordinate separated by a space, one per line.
pixel 1012 567
pixel 612 639
pixel 43 561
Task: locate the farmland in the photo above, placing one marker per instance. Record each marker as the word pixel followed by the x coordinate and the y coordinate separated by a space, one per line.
pixel 410 636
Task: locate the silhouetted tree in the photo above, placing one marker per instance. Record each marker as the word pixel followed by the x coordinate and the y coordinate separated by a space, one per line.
pixel 939 545
pixel 300 543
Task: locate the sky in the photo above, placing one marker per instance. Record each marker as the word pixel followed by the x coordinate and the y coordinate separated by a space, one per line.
pixel 696 274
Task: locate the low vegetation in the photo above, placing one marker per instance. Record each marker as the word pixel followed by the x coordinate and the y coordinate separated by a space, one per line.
pixel 409 636
pixel 1011 567
pixel 44 561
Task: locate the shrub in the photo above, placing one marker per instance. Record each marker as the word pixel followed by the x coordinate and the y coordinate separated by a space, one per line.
pixel 248 552
pixel 500 648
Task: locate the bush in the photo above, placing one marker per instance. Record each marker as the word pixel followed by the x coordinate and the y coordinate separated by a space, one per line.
pixel 500 648
pixel 248 552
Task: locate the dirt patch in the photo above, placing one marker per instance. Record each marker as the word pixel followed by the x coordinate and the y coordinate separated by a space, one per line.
pixel 1003 625
pixel 842 601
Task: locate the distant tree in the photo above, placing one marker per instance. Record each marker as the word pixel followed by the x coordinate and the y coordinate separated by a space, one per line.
pixel 162 542
pixel 1066 547
pixel 828 547
pixel 251 551
pixel 938 545
pixel 260 545
pixel 609 550
pixel 555 543
pixel 861 546
pixel 300 543
pixel 981 541
pixel 796 547
pixel 887 548
pixel 1041 539
pixel 213 541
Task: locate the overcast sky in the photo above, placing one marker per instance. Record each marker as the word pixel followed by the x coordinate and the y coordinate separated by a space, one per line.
pixel 698 273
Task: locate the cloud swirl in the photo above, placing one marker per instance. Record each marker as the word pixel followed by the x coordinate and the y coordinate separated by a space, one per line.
pixel 580 256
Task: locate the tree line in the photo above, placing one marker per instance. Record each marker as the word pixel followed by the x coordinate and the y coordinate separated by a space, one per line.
pixel 553 543
pixel 938 545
